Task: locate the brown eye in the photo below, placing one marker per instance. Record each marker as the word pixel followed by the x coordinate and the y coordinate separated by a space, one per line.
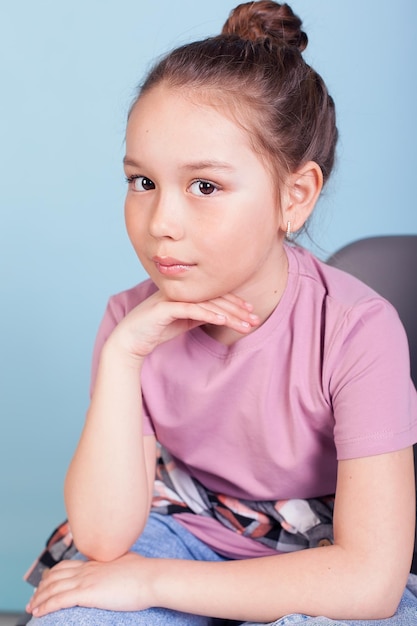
pixel 140 183
pixel 203 188
pixel 143 184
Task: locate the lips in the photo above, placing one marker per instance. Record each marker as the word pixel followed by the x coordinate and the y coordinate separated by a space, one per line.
pixel 169 266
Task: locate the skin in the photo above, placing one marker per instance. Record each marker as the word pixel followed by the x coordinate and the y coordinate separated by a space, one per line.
pixel 225 227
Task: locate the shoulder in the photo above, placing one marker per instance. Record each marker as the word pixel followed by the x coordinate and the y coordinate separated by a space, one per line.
pixel 329 282
pixel 117 308
pixel 351 318
pixel 343 299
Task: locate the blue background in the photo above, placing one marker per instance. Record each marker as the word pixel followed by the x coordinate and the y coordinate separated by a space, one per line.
pixel 68 74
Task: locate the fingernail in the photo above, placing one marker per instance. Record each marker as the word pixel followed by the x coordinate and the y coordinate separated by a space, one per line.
pixel 254 317
pixel 245 324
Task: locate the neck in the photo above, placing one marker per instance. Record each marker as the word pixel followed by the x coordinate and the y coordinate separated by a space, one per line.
pixel 265 296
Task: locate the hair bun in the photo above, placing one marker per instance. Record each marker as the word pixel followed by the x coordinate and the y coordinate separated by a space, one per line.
pixel 266 20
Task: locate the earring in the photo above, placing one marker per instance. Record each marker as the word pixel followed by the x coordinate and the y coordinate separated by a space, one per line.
pixel 288 234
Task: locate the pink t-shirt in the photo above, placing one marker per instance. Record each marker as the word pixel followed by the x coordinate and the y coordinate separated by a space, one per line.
pixel 326 377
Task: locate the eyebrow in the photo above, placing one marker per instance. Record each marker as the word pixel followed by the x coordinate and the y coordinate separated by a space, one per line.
pixel 195 165
pixel 129 161
pixel 208 165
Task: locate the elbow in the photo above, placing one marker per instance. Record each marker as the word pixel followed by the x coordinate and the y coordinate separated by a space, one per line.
pixel 103 542
pixel 380 599
pixel 102 547
pixel 389 598
pixel 100 551
pixel 371 588
pixel 380 609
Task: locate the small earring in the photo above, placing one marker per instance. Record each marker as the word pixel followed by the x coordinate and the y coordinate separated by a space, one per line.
pixel 288 234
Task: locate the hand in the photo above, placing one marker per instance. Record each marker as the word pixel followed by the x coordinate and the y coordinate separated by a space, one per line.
pixel 120 585
pixel 157 320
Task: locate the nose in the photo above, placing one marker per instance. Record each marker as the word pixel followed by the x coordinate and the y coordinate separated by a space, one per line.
pixel 167 219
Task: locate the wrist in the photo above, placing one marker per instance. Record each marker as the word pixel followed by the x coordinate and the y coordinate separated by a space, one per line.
pixel 168 587
pixel 154 581
pixel 116 350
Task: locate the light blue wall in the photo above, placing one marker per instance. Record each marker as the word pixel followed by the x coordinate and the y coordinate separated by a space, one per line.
pixel 68 72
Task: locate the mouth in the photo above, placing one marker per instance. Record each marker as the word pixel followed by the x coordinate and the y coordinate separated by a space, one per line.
pixel 169 266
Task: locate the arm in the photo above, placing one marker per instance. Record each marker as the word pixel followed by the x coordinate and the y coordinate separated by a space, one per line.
pixel 361 576
pixel 114 465
pixel 109 484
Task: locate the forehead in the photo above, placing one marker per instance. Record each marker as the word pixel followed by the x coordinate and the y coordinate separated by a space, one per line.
pixel 184 120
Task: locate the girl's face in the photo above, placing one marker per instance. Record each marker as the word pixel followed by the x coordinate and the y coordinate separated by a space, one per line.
pixel 201 207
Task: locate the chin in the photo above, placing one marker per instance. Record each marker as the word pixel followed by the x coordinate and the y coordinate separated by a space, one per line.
pixel 177 292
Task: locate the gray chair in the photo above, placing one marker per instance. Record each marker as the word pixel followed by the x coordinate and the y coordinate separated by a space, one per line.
pixel 388 264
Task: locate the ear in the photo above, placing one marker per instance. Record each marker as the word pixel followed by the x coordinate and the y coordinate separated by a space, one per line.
pixel 301 191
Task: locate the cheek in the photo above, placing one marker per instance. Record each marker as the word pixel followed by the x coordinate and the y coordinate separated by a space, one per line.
pixel 127 212
pixel 133 222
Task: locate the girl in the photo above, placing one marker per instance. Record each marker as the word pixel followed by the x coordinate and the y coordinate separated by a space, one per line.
pixel 272 390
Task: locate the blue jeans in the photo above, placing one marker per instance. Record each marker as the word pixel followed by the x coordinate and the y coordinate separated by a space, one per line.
pixel 177 543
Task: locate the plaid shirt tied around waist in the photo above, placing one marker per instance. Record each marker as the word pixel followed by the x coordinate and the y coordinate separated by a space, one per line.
pixel 283 525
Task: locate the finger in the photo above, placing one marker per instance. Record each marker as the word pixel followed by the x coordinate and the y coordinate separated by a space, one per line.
pixel 63 568
pixel 67 564
pixel 61 594
pixel 64 571
pixel 56 595
pixel 238 322
pixel 227 309
pixel 227 305
pixel 212 312
pixel 61 600
pixel 236 317
pixel 234 299
pixel 202 313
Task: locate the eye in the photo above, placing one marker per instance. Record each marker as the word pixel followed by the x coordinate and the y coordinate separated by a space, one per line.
pixel 140 183
pixel 203 188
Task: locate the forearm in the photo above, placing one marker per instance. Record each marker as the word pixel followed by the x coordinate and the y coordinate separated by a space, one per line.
pixel 107 487
pixel 361 576
pixel 322 581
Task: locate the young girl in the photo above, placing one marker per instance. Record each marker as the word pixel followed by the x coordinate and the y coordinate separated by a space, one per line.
pixel 270 391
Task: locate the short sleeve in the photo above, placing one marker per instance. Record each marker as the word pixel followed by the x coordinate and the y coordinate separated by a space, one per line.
pixel 117 308
pixel 374 400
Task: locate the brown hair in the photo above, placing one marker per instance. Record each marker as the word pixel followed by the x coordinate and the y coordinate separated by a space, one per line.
pixel 256 68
